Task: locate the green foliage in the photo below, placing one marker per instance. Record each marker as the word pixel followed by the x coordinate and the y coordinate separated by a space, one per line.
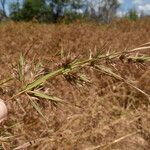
pixel 46 10
pixel 74 14
pixel 31 9
pixel 71 17
pixel 63 10
pixel 15 13
pixel 133 15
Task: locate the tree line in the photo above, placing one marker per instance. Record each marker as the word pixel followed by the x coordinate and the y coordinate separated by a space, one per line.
pixel 58 10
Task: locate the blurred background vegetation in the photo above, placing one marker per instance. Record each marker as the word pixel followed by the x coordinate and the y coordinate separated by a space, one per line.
pixel 53 11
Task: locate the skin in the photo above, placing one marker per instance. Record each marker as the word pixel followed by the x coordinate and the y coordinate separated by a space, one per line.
pixel 3 111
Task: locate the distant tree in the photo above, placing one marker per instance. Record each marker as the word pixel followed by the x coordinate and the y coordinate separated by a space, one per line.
pixel 61 8
pixel 35 9
pixel 1 15
pixel 15 13
pixel 76 5
pixel 57 8
pixel 3 11
pixel 104 10
pixel 76 11
pixel 108 10
pixel 142 14
pixel 31 9
pixel 133 15
pixel 90 11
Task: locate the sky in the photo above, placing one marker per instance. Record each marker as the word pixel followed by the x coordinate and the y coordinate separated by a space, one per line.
pixel 139 5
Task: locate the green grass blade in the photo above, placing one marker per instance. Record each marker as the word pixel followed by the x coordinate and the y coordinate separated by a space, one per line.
pixel 139 59
pixel 108 71
pixel 84 78
pixel 37 108
pixel 45 96
pixel 42 79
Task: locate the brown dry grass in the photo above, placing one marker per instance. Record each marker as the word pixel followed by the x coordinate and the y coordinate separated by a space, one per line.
pixel 104 114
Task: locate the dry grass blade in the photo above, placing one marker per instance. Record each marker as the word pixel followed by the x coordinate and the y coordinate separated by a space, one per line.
pixel 138 89
pixel 28 50
pixel 6 80
pixel 47 97
pixel 21 67
pixel 37 107
pixel 103 147
pixel 145 44
pixel 117 54
pixel 28 144
pixel 107 71
pixel 138 49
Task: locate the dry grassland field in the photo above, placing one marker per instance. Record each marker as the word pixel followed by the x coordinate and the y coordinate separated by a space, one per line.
pixel 81 86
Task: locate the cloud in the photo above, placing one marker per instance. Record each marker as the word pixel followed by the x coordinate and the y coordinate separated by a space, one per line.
pixel 145 8
pixel 121 1
pixel 137 1
pixel 142 6
pixel 121 13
